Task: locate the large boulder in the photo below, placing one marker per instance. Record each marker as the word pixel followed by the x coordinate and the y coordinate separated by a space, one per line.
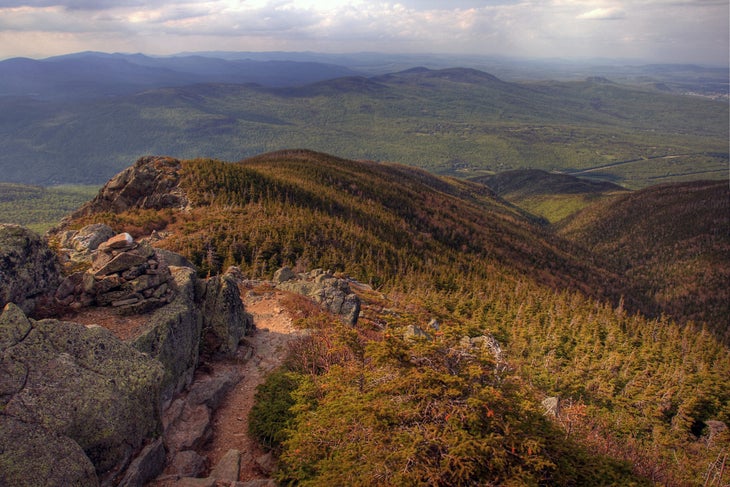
pixel 31 455
pixel 332 293
pixel 225 322
pixel 29 270
pixel 75 382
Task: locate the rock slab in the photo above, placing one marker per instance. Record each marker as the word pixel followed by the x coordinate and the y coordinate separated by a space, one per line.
pixel 77 383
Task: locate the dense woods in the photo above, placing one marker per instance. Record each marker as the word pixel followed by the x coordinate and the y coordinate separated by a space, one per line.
pixel 396 401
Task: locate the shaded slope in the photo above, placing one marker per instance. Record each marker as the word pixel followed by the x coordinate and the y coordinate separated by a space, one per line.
pixel 552 196
pixel 672 241
pixel 86 75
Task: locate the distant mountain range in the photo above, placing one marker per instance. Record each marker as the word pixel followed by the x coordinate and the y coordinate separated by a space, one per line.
pixel 92 113
pixel 92 74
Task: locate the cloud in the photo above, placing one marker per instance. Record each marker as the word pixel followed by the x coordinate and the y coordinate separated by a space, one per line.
pixel 684 30
pixel 611 13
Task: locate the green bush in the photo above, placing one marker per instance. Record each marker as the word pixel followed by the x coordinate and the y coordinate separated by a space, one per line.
pixel 270 414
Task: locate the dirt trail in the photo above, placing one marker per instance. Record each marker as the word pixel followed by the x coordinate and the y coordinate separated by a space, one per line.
pixel 274 331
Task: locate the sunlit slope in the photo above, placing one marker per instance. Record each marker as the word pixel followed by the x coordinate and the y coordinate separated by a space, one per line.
pixel 552 196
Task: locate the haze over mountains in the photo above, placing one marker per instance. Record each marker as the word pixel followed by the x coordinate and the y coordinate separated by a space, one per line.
pixel 92 113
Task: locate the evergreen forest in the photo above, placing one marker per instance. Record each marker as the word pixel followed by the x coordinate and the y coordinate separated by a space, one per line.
pixel 493 348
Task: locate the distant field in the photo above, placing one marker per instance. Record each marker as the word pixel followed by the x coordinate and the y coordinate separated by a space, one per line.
pixel 41 208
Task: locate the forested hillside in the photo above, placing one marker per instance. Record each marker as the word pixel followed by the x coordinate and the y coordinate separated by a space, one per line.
pixel 452 121
pixel 475 316
pixel 672 242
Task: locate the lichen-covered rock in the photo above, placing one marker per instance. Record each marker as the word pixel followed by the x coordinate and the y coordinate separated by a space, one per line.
pixel 284 274
pixel 333 293
pixel 31 455
pixel 224 320
pixel 148 465
pixel 172 334
pixel 79 382
pixel 29 270
pixel 152 182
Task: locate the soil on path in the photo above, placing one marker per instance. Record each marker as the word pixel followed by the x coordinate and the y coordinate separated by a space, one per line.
pixel 269 344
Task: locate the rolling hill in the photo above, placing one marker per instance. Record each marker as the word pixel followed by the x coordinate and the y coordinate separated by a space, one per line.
pixel 452 121
pixel 552 196
pixel 445 249
pixel 672 242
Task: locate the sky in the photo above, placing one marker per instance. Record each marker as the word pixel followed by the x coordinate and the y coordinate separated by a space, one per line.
pixel 665 31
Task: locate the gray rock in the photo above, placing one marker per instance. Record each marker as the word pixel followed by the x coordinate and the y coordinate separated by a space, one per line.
pixel 29 270
pixel 89 237
pixel 187 421
pixel 190 430
pixel 228 467
pixel 125 260
pixel 69 285
pixel 332 293
pixel 148 465
pixel 172 334
pixel 152 182
pixel 210 390
pixel 173 259
pixel 117 242
pixel 284 274
pixel 225 322
pixel 80 382
pixel 31 455
pixel 188 464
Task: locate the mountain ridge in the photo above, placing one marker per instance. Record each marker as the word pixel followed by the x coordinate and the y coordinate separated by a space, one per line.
pixel 448 258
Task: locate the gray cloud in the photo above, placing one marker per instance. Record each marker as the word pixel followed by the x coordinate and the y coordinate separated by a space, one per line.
pixel 662 30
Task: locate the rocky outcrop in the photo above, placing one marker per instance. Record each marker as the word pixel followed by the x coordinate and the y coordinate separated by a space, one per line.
pixel 152 182
pixel 75 247
pixel 66 383
pixel 29 270
pixel 80 392
pixel 129 276
pixel 225 322
pixel 205 316
pixel 187 422
pixel 172 334
pixel 333 293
